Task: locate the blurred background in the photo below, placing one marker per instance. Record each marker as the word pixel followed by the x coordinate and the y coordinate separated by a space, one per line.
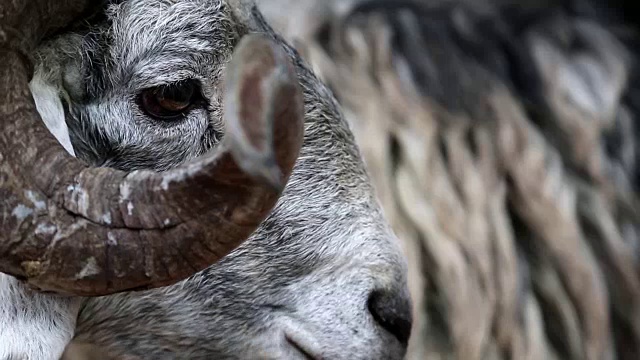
pixel 502 138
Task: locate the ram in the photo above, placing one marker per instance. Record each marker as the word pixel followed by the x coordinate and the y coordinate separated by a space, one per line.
pixel 185 120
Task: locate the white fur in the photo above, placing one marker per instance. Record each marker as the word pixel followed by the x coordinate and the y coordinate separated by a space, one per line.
pixel 34 326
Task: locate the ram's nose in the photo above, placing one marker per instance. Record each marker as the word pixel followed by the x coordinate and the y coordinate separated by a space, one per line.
pixel 391 309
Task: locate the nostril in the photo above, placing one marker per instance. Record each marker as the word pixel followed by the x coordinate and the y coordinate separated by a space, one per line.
pixel 392 311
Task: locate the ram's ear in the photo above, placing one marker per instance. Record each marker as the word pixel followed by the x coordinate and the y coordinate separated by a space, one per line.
pixel 58 80
pixel 47 96
pixel 261 88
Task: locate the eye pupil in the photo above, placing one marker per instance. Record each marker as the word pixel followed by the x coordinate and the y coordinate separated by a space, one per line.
pixel 168 102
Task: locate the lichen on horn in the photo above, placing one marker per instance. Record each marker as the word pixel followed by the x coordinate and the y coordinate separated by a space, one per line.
pixel 73 229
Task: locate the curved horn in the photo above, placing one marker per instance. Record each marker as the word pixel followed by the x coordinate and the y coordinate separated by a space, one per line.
pixel 76 230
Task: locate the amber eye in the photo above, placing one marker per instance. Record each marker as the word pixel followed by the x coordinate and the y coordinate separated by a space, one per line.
pixel 169 102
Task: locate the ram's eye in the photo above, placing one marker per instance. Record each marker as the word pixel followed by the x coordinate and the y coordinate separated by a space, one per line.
pixel 169 102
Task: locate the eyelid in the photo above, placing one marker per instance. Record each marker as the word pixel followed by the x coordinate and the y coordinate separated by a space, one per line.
pixel 168 89
pixel 164 76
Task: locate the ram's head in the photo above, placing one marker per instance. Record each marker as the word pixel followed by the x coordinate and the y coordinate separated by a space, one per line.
pixel 80 230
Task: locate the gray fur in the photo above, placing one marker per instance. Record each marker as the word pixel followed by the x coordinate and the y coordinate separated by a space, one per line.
pixel 309 270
